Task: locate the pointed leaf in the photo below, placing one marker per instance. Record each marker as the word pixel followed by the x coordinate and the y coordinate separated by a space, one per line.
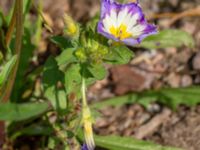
pixel 126 143
pixel 6 70
pixel 17 112
pixel 119 55
pixel 98 71
pixel 168 38
pixel 171 97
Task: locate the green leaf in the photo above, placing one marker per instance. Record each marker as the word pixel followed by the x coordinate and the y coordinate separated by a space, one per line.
pixel 66 57
pixel 171 97
pixel 6 70
pixel 119 55
pixel 21 82
pixel 3 21
pixel 92 24
pixel 52 142
pixel 58 99
pixel 51 76
pixel 1 18
pixel 126 143
pixel 26 6
pixel 143 98
pixel 37 27
pixel 36 129
pixel 73 78
pixel 98 71
pixel 168 38
pixel 61 41
pixel 115 101
pixel 17 112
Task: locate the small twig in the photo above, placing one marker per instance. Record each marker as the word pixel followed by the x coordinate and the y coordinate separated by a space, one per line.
pixel 188 13
pixel 152 125
pixel 176 16
pixel 162 15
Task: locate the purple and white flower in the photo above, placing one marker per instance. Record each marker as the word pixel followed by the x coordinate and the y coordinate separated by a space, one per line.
pixel 124 22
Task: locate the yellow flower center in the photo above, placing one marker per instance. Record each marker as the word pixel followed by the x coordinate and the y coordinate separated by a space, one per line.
pixel 120 32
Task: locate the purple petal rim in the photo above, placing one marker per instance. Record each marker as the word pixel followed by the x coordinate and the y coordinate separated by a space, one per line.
pixel 84 147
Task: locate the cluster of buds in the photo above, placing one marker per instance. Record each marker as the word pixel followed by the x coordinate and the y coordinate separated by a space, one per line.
pixel 93 50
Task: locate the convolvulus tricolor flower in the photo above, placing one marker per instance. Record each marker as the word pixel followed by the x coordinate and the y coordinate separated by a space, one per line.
pixel 124 22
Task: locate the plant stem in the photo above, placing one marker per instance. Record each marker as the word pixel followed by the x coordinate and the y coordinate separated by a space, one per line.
pixel 19 26
pixel 11 27
pixel 83 91
pixel 2 133
pixel 18 42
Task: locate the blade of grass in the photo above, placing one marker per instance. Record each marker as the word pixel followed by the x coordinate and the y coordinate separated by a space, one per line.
pixel 18 42
pixel 11 27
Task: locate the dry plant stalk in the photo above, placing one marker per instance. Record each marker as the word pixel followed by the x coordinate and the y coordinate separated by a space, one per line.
pixel 176 16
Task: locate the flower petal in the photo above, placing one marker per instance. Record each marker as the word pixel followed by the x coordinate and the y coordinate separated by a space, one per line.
pixel 131 41
pixel 107 5
pixel 149 30
pixel 102 30
pixel 84 147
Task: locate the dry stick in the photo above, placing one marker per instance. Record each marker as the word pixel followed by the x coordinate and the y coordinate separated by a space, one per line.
pixel 162 15
pixel 188 13
pixel 18 42
pixel 177 16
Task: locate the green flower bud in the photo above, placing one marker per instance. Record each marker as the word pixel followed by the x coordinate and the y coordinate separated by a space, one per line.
pixel 71 27
pixel 80 54
pixel 103 50
pixel 94 51
pixel 87 125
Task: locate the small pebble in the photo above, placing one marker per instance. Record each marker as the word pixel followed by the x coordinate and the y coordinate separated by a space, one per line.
pixel 154 108
pixel 196 62
pixel 173 80
pixel 186 80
